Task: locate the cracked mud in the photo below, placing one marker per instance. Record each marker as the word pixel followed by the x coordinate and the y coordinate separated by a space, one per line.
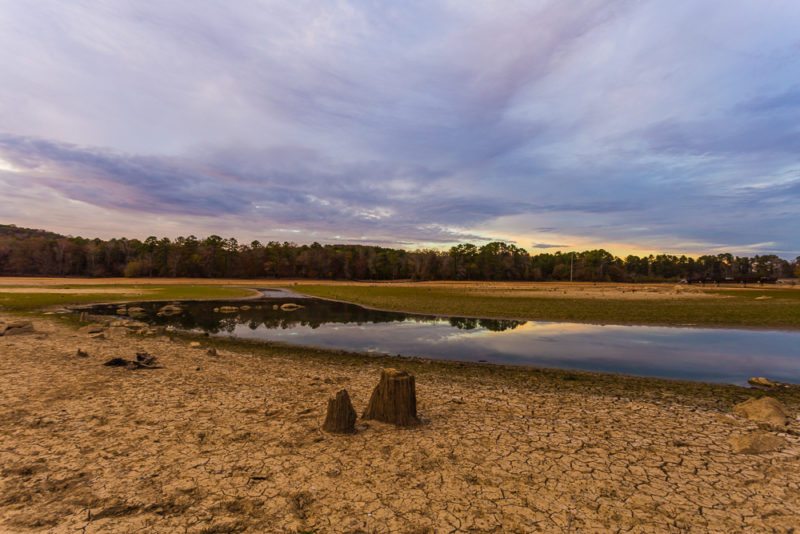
pixel 232 443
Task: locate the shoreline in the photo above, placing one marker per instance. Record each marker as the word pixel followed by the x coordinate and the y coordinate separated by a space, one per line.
pixel 231 442
pixel 614 323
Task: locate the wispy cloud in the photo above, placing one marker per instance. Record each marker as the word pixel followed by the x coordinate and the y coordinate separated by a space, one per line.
pixel 642 124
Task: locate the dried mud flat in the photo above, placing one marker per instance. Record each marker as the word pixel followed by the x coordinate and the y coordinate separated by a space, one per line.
pixel 232 443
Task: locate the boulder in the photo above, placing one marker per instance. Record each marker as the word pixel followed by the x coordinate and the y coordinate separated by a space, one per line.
pixel 756 443
pixel 763 410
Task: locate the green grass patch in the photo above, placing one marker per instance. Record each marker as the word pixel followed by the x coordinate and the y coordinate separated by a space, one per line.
pixel 737 309
pixel 34 302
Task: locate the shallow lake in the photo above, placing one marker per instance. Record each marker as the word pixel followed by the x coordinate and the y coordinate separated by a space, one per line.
pixel 703 354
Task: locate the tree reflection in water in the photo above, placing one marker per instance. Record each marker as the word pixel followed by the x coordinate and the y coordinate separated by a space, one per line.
pixel 267 314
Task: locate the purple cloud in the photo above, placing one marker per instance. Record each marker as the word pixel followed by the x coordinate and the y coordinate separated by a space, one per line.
pixel 423 123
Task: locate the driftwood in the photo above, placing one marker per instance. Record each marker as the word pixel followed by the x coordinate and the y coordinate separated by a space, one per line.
pixel 394 399
pixel 341 417
pixel 143 361
pixel 16 327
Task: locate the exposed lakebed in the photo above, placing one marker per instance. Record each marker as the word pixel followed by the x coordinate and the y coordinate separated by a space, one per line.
pixel 703 354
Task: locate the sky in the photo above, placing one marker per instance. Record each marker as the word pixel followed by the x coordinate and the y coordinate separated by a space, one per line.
pixel 636 126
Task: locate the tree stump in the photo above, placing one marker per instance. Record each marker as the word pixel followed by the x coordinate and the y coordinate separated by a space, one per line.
pixel 394 399
pixel 341 417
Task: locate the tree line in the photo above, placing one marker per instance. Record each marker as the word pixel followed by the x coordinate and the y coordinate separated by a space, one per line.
pixel 40 253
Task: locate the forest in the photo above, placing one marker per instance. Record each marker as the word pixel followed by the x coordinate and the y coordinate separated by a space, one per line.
pixel 27 252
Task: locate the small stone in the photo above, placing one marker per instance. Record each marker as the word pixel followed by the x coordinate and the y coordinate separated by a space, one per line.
pixel 145 358
pixel 195 345
pixel 94 329
pixel 81 353
pixel 137 312
pixel 169 310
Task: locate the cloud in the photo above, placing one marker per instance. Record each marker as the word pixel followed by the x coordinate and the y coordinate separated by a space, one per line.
pixel 635 124
pixel 549 245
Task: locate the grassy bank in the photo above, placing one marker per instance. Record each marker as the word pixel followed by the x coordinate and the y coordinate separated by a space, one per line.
pixel 735 308
pixel 16 299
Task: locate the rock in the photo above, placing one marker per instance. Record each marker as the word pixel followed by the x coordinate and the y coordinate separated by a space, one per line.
pixel 211 351
pixel 290 306
pixel 341 417
pixel 170 309
pixel 763 410
pixel 143 361
pixel 81 353
pixel 763 382
pixel 275 307
pixel 137 312
pixel 228 309
pixel 394 399
pixel 763 298
pixel 16 327
pixel 244 308
pixel 94 329
pixel 122 311
pixel 756 443
pixel 145 358
pixel 194 345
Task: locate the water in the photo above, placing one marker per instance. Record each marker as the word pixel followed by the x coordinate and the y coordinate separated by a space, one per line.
pixel 702 354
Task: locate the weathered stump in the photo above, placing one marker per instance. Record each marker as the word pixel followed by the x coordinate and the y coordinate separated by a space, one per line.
pixel 341 417
pixel 394 399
